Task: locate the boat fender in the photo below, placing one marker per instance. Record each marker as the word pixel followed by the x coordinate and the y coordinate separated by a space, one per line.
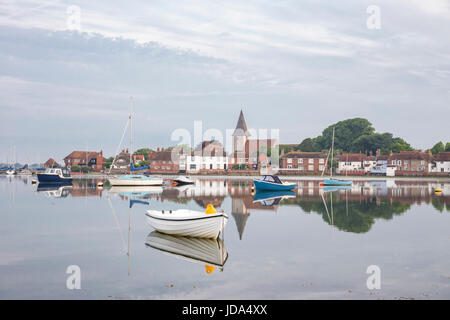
pixel 209 269
pixel 210 209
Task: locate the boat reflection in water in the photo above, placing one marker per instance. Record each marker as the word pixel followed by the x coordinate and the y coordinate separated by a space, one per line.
pixel 54 190
pixel 271 198
pixel 210 252
pixel 136 191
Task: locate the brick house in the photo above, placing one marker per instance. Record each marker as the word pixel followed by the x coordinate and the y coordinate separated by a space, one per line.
pixel 410 162
pixel 85 158
pixel 296 162
pixel 161 162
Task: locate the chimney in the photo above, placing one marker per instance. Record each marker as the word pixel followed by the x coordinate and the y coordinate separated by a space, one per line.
pixel 391 153
pixel 157 149
pixel 162 149
pixel 282 152
pixel 127 150
pixel 378 152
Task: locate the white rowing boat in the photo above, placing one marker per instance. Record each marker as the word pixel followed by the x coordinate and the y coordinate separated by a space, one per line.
pixel 183 222
pixel 210 252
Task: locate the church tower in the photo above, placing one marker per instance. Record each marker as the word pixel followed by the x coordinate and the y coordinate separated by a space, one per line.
pixel 240 135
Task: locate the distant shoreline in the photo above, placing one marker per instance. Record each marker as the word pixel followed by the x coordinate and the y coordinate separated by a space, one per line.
pixel 306 177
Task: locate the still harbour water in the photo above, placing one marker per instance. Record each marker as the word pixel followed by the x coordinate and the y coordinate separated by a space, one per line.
pixel 309 244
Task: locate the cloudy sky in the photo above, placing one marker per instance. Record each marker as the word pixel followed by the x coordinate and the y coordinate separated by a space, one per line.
pixel 294 65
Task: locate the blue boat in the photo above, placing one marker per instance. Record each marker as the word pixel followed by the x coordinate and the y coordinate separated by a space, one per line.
pixel 55 175
pixel 272 183
pixel 336 188
pixel 271 198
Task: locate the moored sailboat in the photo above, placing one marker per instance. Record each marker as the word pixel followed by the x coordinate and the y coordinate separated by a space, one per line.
pixel 332 181
pixel 133 179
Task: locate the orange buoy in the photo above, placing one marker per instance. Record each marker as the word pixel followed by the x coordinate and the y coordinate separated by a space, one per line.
pixel 209 269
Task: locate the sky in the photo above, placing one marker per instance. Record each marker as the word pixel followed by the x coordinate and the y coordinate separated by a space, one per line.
pixel 69 68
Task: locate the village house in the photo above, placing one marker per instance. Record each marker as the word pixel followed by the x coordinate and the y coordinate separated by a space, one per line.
pixel 93 159
pixel 161 162
pixel 296 162
pixel 138 158
pixel 380 168
pixel 410 163
pixel 51 163
pixel 354 163
pixel 441 163
pixel 247 152
pixel 122 160
pixel 207 156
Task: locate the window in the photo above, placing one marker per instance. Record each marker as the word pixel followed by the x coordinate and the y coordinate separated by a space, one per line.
pixel 393 162
pixel 300 160
pixel 405 162
pixel 311 168
pixel 311 160
pixel 422 162
pixel 289 160
pixel 321 160
pixel 300 168
pixel 399 162
pixel 289 166
pixel 193 167
pixel 321 168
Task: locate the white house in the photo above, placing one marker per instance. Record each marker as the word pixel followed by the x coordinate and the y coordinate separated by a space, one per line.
pixel 195 163
pixel 352 162
pixel 441 162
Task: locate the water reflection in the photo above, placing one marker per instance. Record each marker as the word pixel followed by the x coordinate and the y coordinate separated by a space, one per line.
pixel 209 252
pixel 351 209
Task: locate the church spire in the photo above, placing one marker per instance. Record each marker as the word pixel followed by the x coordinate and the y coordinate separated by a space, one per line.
pixel 241 126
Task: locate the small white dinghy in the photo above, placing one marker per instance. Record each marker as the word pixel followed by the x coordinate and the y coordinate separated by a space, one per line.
pixel 190 223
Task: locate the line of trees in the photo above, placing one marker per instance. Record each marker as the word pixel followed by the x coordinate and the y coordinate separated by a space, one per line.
pixel 354 135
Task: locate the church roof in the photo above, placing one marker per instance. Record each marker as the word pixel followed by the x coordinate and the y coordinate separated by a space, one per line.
pixel 241 126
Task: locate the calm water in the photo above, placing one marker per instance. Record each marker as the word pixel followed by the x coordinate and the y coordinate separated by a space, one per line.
pixel 307 245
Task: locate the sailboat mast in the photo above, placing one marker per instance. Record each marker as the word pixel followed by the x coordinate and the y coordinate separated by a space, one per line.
pixel 332 152
pixel 131 133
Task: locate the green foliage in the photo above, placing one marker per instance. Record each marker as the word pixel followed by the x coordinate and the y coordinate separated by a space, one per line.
pixel 239 167
pixel 142 163
pixel 438 147
pixel 345 133
pixel 144 152
pixel 306 146
pixel 355 135
pixel 286 148
pixel 83 169
pixel 108 162
pixel 447 147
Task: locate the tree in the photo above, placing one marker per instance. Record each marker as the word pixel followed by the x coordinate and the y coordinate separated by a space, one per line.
pixel 108 162
pixel 447 147
pixel 144 152
pixel 306 146
pixel 345 133
pixel 438 147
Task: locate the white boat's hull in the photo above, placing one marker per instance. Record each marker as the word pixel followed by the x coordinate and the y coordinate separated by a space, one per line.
pixel 129 183
pixel 200 250
pixel 136 189
pixel 206 226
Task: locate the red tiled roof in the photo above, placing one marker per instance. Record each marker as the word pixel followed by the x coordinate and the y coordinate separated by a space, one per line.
pixel 442 156
pixel 410 155
pixel 51 162
pixel 82 155
pixel 353 157
pixel 298 154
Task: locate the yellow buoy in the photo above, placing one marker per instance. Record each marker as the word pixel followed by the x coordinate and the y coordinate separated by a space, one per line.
pixel 209 269
pixel 437 190
pixel 210 209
